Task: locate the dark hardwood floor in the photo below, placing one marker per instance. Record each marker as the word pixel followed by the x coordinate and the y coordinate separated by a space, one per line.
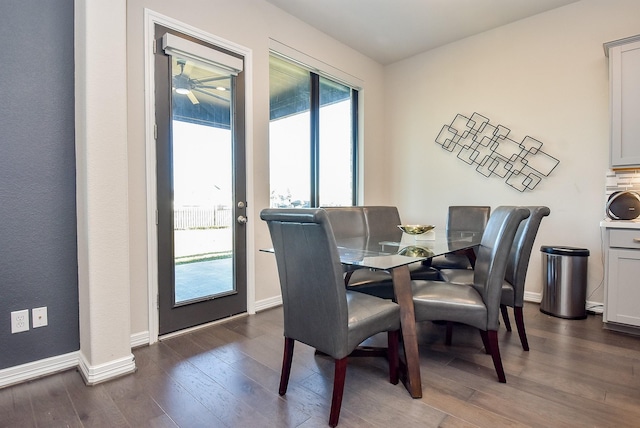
pixel 576 375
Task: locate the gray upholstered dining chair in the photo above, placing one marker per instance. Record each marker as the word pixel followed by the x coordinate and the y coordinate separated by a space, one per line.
pixel 379 221
pixel 462 218
pixel 516 272
pixel 318 310
pixel 478 305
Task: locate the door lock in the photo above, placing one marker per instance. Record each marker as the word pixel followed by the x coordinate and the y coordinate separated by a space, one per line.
pixel 242 219
pixel 241 204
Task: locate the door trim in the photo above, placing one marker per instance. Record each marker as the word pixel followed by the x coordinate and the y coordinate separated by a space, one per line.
pixel 152 18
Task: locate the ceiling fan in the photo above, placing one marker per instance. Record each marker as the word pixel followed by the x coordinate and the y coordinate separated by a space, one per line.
pixel 184 84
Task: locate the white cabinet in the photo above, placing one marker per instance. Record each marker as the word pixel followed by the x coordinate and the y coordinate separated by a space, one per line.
pixel 624 87
pixel 622 276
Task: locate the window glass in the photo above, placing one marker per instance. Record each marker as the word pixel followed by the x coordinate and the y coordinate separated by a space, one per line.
pixel 289 131
pixel 311 138
pixel 336 148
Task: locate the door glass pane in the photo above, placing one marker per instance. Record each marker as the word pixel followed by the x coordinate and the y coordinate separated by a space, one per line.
pixel 202 182
pixel 289 133
pixel 335 147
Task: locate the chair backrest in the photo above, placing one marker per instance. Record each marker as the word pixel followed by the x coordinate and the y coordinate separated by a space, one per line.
pixel 468 218
pixel 383 222
pixel 520 254
pixel 347 222
pixel 492 257
pixel 313 292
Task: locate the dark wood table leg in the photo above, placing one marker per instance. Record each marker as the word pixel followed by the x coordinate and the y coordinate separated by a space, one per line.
pixel 404 297
pixel 471 255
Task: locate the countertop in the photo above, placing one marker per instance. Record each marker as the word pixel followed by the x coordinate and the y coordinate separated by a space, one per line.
pixel 620 224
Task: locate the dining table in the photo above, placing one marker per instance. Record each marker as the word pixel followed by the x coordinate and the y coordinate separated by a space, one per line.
pixel 394 254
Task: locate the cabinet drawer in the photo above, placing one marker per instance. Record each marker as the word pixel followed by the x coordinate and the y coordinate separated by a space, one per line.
pixel 624 238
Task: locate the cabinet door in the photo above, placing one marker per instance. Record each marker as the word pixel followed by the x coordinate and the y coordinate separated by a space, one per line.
pixel 624 75
pixel 623 287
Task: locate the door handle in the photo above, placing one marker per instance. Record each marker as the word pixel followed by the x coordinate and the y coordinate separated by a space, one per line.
pixel 242 219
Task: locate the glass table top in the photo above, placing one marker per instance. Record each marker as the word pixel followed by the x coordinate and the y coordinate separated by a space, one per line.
pixel 387 252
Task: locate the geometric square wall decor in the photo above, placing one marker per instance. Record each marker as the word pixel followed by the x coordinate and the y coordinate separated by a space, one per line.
pixel 488 148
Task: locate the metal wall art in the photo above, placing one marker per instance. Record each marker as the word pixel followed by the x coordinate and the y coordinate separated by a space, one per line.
pixel 487 147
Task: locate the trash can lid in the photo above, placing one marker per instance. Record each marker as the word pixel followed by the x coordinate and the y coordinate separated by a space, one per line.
pixel 564 250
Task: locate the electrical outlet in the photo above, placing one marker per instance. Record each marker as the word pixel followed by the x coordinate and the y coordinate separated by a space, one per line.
pixel 19 321
pixel 39 317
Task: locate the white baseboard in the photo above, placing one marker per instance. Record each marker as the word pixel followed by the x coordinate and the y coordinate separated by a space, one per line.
pixel 102 372
pixel 48 366
pixel 532 297
pixel 596 307
pixel 268 303
pixel 36 369
pixel 139 339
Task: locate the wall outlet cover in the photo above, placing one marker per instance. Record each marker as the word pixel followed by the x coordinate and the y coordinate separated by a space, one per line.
pixel 19 321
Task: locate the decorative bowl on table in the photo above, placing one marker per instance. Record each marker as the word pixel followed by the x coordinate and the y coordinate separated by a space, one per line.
pixel 416 251
pixel 416 229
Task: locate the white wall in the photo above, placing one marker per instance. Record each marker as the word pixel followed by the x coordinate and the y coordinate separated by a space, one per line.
pixel 249 23
pixel 546 77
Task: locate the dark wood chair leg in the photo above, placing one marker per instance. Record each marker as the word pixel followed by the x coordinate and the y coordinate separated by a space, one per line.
pixel 338 389
pixel 485 342
pixel 505 317
pixel 517 313
pixel 449 333
pixel 490 338
pixel 392 355
pixel 286 365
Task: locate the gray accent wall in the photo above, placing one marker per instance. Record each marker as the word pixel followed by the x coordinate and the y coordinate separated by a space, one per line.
pixel 38 251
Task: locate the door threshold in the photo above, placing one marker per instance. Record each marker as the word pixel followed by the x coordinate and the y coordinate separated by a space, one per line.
pixel 201 326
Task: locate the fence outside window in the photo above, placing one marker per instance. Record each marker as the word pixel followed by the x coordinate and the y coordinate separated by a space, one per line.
pixel 201 217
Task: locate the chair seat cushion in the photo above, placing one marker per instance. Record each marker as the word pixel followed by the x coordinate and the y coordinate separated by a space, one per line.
pixel 451 261
pixel 438 300
pixel 368 315
pixel 379 283
pixel 424 271
pixel 459 276
pixel 369 276
pixel 373 282
pixel 383 290
pixel 465 276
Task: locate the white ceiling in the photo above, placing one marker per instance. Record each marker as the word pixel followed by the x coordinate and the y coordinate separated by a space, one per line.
pixel 392 30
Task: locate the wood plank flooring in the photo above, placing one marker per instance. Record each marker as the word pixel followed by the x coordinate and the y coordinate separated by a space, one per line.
pixel 576 375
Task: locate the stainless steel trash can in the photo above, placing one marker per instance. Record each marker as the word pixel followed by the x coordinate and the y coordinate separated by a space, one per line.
pixel 564 271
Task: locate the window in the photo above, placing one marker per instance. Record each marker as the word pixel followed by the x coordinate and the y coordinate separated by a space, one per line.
pixel 312 138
